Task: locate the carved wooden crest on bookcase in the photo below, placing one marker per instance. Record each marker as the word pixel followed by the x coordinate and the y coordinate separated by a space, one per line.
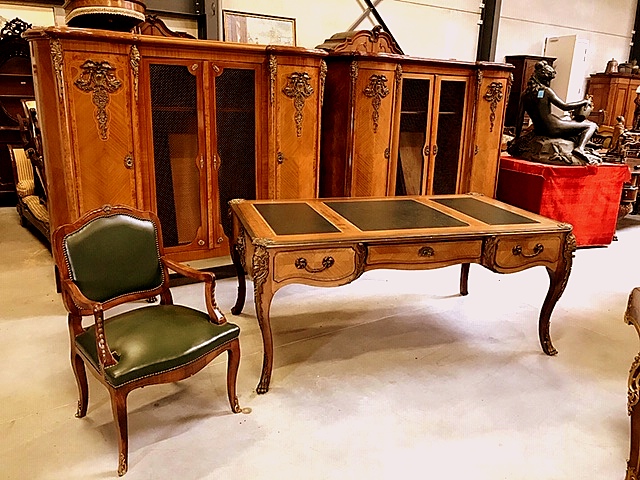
pixel 363 41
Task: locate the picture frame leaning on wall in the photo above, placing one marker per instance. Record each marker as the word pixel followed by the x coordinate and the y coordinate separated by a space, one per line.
pixel 260 29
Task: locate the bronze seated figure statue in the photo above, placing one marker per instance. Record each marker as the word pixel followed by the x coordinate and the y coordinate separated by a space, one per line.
pixel 553 139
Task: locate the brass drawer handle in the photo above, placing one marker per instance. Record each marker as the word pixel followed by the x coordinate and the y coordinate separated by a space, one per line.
pixel 537 250
pixel 301 264
pixel 426 252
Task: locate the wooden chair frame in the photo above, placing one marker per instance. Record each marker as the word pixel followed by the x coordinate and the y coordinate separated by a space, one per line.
pixel 79 306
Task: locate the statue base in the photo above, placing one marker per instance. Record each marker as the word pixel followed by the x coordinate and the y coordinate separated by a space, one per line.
pixel 550 151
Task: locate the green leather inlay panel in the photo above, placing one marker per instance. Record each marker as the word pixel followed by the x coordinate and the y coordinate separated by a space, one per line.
pixel 155 339
pixel 112 256
pixel 393 215
pixel 294 219
pixel 489 214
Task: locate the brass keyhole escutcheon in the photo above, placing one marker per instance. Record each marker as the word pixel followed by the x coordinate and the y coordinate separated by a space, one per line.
pixel 128 162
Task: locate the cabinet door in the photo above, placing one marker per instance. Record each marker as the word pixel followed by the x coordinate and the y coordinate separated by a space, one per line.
pixel 297 91
pixel 178 173
pixel 101 129
pixel 235 140
pixel 618 95
pixel 374 93
pixel 414 138
pixel 491 98
pixel 448 134
pixel 431 134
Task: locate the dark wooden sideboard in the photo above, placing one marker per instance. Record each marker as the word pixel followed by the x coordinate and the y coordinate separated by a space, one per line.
pixel 524 65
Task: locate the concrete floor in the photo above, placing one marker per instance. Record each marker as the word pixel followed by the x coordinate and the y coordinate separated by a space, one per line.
pixel 392 376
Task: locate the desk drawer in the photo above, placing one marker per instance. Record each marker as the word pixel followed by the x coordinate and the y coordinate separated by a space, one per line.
pixel 523 251
pixel 322 265
pixel 425 253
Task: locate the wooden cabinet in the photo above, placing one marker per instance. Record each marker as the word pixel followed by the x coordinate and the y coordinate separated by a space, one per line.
pixel 396 125
pixel 16 85
pixel 614 93
pixel 177 126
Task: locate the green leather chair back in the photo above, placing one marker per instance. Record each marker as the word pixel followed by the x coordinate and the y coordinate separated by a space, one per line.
pixel 113 256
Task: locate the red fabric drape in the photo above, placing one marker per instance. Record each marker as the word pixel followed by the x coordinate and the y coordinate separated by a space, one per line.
pixel 587 197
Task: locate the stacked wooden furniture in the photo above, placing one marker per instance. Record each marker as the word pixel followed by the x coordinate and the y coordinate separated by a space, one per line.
pixel 174 125
pixel 615 94
pixel 394 124
pixel 16 85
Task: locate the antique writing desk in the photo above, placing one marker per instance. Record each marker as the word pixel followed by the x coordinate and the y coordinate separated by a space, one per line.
pixel 331 242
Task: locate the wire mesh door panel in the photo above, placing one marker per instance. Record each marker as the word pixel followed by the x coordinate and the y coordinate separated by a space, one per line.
pixel 180 174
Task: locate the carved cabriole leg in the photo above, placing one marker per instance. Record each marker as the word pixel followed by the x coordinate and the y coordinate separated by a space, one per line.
pixel 263 295
pixel 81 379
pixel 632 317
pixel 233 361
pixel 237 255
pixel 464 278
pixel 558 279
pixel 633 395
pixel 77 364
pixel 119 407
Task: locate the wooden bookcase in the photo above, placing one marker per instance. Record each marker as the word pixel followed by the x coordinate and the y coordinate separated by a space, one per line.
pixel 394 124
pixel 615 94
pixel 175 125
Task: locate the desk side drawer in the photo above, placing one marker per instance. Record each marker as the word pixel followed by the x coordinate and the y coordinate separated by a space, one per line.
pixel 322 265
pixel 426 253
pixel 518 252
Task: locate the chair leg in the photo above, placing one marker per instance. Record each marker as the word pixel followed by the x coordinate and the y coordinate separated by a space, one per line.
pixel 81 380
pixel 119 407
pixel 233 363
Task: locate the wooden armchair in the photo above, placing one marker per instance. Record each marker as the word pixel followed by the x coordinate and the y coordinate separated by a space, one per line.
pixel 31 207
pixel 112 256
pixel 32 139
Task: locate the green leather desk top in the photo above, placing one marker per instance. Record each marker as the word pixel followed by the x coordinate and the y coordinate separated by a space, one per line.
pixel 294 218
pixel 333 219
pixel 392 215
pixel 489 214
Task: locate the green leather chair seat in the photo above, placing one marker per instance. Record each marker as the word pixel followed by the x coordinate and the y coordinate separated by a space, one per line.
pixel 155 339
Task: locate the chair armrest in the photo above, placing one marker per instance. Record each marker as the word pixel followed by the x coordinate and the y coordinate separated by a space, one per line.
pixel 209 280
pixel 73 293
pixel 188 271
pixel 76 296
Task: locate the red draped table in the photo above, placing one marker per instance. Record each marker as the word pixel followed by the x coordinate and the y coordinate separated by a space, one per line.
pixel 587 197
